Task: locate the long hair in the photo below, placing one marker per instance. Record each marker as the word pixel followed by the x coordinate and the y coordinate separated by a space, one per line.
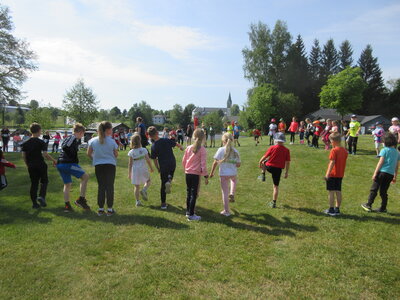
pixel 101 130
pixel 227 139
pixel 198 136
pixel 136 141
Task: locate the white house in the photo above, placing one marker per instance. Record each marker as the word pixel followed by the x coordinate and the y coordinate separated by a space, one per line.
pixel 159 119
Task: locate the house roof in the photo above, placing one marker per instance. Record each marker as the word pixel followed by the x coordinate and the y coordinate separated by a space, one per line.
pixel 114 125
pixel 209 109
pixel 367 119
pixel 159 116
pixel 327 113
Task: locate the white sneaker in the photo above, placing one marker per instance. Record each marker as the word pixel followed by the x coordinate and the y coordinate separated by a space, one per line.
pixel 138 203
pixel 194 218
pixel 168 187
pixel 224 213
pixel 144 194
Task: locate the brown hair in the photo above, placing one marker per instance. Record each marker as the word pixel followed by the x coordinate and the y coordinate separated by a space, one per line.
pixel 390 140
pixel 136 141
pixel 198 136
pixel 101 130
pixel 35 127
pixel 152 131
pixel 78 127
pixel 139 119
pixel 335 137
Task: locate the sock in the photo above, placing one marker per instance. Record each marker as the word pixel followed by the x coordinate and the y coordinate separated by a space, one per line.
pixel 110 209
pixel 101 209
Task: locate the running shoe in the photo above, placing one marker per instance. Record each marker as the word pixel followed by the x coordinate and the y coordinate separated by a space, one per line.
pixel 35 205
pixel 68 207
pixel 144 194
pixel 380 210
pixel 231 198
pixel 272 204
pixel 330 211
pixel 110 212
pixel 138 203
pixel 194 218
pixel 366 207
pixel 82 203
pixel 101 212
pixel 164 206
pixel 42 202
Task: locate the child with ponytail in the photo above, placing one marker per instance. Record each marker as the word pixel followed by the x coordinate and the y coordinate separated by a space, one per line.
pixel 104 152
pixel 138 172
pixel 228 159
pixel 195 165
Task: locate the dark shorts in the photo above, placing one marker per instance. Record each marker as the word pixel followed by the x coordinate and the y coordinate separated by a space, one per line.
pixel 334 184
pixel 276 174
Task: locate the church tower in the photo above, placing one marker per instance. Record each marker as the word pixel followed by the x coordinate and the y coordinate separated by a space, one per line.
pixel 229 102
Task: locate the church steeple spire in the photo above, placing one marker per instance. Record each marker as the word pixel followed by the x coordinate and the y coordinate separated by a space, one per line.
pixel 229 102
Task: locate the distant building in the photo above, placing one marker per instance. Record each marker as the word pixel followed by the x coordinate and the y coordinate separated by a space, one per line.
pixel 13 109
pixel 159 119
pixel 203 111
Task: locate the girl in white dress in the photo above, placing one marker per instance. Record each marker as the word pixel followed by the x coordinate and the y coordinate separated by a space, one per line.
pixel 138 172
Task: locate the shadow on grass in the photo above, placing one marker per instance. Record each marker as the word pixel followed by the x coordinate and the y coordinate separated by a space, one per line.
pixel 267 224
pixel 9 215
pixel 363 218
pixel 120 219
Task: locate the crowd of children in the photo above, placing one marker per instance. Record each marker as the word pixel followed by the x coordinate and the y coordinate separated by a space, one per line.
pixel 103 151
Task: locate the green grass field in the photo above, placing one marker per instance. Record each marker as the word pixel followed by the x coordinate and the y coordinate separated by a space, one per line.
pixel 294 251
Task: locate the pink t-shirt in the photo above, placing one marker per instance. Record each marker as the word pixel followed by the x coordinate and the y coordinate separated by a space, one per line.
pixel 195 163
pixel 395 129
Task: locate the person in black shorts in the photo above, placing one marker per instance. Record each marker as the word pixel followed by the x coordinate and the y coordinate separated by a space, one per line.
pixel 33 151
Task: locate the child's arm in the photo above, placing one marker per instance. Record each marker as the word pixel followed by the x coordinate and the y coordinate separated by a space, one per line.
pixel 378 167
pixel 90 153
pixel 329 170
pixel 155 160
pixel 49 157
pixel 7 164
pixel 179 146
pixel 287 166
pixel 395 172
pixel 130 164
pixel 148 161
pixel 116 152
pixel 262 159
pixel 214 165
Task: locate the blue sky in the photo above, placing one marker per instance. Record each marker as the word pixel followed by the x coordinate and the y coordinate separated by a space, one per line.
pixel 177 51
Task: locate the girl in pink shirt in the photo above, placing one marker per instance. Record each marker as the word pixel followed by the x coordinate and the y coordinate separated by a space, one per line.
pixel 195 165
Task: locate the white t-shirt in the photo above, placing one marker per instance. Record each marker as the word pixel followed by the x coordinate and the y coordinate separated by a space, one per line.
pixel 227 168
pixel 272 129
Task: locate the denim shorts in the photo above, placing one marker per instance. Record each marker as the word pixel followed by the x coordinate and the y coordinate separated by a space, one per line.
pixel 69 170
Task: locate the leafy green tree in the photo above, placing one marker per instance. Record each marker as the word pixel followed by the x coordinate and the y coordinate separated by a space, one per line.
pixel 80 103
pixel 13 102
pixel 142 110
pixel 103 115
pixel 33 104
pixel 115 114
pixel 392 104
pixel 343 91
pixel 41 116
pixel 17 60
pixel 215 119
pixel 176 115
pixel 187 114
pixel 316 80
pixel 257 58
pixel 345 55
pixel 329 60
pixel 235 110
pixel 261 104
pixel 288 105
pixel 374 94
pixel 19 116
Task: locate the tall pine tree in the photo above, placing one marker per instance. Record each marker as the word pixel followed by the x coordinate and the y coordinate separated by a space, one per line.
pixel 372 75
pixel 345 55
pixel 315 67
pixel 329 60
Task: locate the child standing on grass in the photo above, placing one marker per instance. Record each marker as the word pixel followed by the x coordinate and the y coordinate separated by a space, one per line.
pixel 293 128
pixel 378 134
pixel 56 143
pixel 138 172
pixel 164 161
pixel 385 173
pixel 317 133
pixel 274 161
pixel 3 164
pixel 302 129
pixel 228 159
pixel 104 152
pixel 326 133
pixel 257 134
pixel 334 174
pixel 194 163
pixel 68 166
pixel 16 141
pixel 309 131
pixel 33 151
pixel 282 126
pixel 272 130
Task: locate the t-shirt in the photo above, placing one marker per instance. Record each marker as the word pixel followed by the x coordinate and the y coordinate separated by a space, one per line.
pixel 317 130
pixel 33 151
pixel 162 150
pixel 57 139
pixel 212 131
pixel 103 153
pixel 394 129
pixel 278 156
pixel 69 151
pixel 5 133
pixel 227 168
pixel 179 132
pixel 17 138
pixel 378 134
pixel 272 129
pixel 392 156
pixel 256 132
pixel 46 138
pixel 229 129
pixel 236 130
pixel 293 127
pixel 354 126
pixel 339 155
pixel 282 127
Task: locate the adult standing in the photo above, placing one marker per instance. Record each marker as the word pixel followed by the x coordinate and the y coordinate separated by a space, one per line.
pixel 189 133
pixel 212 135
pixel 395 129
pixel 5 136
pixel 104 152
pixel 141 129
pixel 354 131
pixel 180 134
pixel 236 133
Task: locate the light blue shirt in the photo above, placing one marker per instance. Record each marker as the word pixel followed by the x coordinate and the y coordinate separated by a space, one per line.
pixel 103 153
pixel 392 156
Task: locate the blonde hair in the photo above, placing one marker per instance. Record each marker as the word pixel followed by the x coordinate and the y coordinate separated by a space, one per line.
pixel 152 131
pixel 101 130
pixel 198 136
pixel 335 137
pixel 227 139
pixel 136 141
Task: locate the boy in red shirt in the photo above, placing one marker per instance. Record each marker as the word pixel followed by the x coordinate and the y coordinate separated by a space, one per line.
pixel 257 134
pixel 335 173
pixel 274 161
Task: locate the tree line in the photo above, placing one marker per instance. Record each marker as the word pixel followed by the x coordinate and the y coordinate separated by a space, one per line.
pixel 287 81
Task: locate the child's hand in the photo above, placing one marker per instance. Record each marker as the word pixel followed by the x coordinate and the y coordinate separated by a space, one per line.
pixel 206 181
pixel 373 177
pixel 394 180
pixel 211 175
pixel 54 163
pixel 286 175
pixel 326 178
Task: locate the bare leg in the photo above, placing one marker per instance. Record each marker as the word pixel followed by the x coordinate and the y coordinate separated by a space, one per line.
pixel 137 191
pixel 275 193
pixel 331 198
pixel 84 181
pixel 67 189
pixel 338 198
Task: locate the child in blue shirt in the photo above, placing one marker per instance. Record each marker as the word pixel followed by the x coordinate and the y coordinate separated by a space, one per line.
pixel 385 173
pixel 378 134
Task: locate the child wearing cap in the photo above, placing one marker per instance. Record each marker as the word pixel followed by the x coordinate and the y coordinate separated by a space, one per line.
pixel 354 131
pixel 317 133
pixel 378 133
pixel 395 129
pixel 272 130
pixel 334 174
pixel 274 161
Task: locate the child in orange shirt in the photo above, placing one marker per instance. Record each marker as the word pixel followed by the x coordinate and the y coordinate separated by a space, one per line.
pixel 335 173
